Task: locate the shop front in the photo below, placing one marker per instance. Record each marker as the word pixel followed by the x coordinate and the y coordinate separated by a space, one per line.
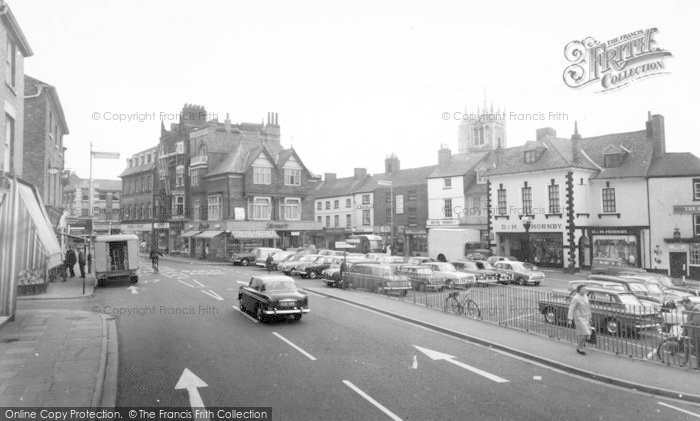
pixel 412 242
pixel 160 235
pixel 542 245
pixel 243 235
pixel 332 236
pixel 142 231
pixel 617 243
pixel 295 234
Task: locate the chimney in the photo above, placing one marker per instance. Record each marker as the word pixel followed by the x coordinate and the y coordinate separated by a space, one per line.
pixel 227 124
pixel 329 176
pixel 360 172
pixel 444 155
pixel 575 145
pixel 277 121
pixel 545 131
pixel 391 164
pixel 656 132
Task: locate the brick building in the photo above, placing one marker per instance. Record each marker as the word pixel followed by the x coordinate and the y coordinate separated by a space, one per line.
pixel 136 202
pixel 106 198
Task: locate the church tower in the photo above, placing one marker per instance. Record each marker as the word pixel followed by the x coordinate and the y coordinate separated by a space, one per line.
pixel 482 130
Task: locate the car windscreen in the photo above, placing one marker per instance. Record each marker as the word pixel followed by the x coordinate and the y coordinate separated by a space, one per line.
pixel 309 258
pixel 653 288
pixel 445 267
pixel 629 299
pixel 484 265
pixel 529 266
pixel 279 286
pixel 637 287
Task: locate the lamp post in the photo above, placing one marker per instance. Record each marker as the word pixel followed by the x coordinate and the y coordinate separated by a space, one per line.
pixel 526 224
pixel 391 208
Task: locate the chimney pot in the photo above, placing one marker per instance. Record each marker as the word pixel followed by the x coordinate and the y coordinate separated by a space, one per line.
pixel 444 155
pixel 360 172
pixel 545 131
pixel 329 176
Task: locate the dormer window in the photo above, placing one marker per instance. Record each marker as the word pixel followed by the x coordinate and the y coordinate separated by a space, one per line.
pixel 612 160
pixel 530 156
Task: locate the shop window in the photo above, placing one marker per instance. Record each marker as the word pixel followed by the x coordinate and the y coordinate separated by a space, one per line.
pixel 502 203
pixel 609 199
pixel 348 221
pixel 365 217
pixel 262 175
pixel 696 189
pixel 694 258
pixel 554 206
pixel 696 224
pixel 447 208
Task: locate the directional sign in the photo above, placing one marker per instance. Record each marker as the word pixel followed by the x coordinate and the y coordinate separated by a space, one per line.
pixel 435 355
pixel 190 382
pixel 384 182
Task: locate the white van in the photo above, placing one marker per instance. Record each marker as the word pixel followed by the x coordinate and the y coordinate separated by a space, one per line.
pixel 261 254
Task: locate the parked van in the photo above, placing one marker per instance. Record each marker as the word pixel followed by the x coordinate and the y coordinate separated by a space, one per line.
pixel 261 254
pixel 116 256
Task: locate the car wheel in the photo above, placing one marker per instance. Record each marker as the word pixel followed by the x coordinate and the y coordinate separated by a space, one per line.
pixel 612 327
pixel 550 315
pixel 522 281
pixel 244 262
pixel 297 317
pixel 537 283
pixel 312 274
pixel 259 314
pixel 241 304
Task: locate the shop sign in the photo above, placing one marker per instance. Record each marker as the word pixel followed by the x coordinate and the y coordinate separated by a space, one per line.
pixel 686 209
pixel 276 226
pixel 294 233
pixel 135 227
pixel 612 231
pixel 161 225
pixel 364 206
pixel 239 213
pixel 442 222
pixel 384 229
pixel 533 227
pixel 677 248
pixel 399 204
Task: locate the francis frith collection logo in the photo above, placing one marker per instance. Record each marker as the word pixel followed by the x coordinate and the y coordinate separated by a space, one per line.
pixel 614 63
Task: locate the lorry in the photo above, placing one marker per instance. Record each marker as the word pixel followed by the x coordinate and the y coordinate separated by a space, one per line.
pixel 116 257
pixel 445 244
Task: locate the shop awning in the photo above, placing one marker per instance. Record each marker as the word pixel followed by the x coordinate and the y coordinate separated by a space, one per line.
pixel 189 234
pixel 208 234
pixel 44 230
pixel 255 235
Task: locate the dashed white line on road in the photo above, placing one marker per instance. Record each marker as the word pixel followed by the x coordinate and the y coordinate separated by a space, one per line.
pixel 679 409
pixel 183 282
pixel 198 283
pixel 212 294
pixel 372 401
pixel 245 314
pixel 290 343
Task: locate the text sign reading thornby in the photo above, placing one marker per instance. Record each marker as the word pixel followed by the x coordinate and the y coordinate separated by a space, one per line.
pixel 616 62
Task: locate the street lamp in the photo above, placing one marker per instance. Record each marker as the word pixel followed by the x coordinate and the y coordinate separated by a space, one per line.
pixel 527 221
pixel 391 208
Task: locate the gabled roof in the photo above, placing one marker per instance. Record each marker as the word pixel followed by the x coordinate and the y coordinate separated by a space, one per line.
pixel 34 87
pixel 239 160
pixel 149 167
pixel 675 164
pixel 339 187
pixel 459 164
pixel 9 20
pixel 636 163
pixel 554 153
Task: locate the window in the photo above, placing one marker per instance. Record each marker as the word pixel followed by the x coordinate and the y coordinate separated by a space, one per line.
pixel 480 179
pixel 336 221
pixel 388 214
pixel 412 218
pixel 696 188
pixel 319 219
pixel 554 198
pixel 262 175
pixel 365 217
pixel 478 136
pixel 387 197
pixel 412 195
pixel 10 62
pixel 527 200
pixel 348 221
pixel 530 156
pixel 179 205
pixel 150 182
pixel 103 196
pixel 142 184
pixel 502 203
pixel 447 208
pixel 148 211
pixel 84 212
pixel 194 178
pixel 180 176
pixel 609 199
pixel 694 254
pixel 292 177
pixel 696 224
pixel 319 205
pixel 8 163
pixel 214 205
pixel 261 208
pixel 328 204
pixel 612 160
pixel 292 209
pixel 365 199
pixel 447 183
pixel 84 192
pixel 336 204
pixel 328 221
pixel 348 203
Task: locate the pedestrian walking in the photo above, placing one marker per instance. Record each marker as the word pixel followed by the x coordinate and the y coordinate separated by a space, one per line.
pixel 580 316
pixel 70 261
pixel 692 312
pixel 89 262
pixel 268 263
pixel 343 269
pixel 81 263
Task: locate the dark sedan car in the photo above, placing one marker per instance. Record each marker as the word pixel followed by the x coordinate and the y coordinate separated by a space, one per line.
pixel 314 268
pixel 273 296
pixel 243 257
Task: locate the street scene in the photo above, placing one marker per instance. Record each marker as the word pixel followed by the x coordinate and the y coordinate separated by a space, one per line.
pixel 334 211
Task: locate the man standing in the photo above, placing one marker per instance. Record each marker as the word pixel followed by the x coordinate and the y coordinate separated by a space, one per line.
pixel 81 263
pixel 70 261
pixel 580 316
pixel 692 312
pixel 268 262
pixel 343 269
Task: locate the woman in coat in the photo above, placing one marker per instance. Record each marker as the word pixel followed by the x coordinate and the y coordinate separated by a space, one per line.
pixel 580 315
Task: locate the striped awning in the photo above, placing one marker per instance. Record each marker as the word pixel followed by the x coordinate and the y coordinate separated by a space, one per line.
pixel 189 234
pixel 255 235
pixel 208 234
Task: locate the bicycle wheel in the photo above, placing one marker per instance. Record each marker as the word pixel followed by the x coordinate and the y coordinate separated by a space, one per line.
pixel 471 309
pixel 671 352
pixel 451 305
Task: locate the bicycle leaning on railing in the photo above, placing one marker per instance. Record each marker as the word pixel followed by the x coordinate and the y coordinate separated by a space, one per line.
pixel 462 304
pixel 676 348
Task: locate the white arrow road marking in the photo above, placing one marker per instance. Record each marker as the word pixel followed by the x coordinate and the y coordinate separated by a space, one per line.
pixel 435 355
pixel 183 282
pixel 415 362
pixel 190 382
pixel 243 283
pixel 155 281
pixel 212 294
pixel 133 289
pixel 198 283
pixel 246 314
pixel 309 356
pixel 372 401
pixel 679 409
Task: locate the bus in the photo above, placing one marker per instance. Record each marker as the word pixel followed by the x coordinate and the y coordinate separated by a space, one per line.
pixel 362 243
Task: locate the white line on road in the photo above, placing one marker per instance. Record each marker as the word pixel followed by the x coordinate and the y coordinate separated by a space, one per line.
pixel 245 314
pixel 212 294
pixel 372 401
pixel 166 275
pixel 309 356
pixel 155 281
pixel 242 283
pixel 183 282
pixel 679 409
pixel 314 293
pixel 198 283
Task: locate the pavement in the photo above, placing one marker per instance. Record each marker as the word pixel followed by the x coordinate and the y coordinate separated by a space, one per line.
pixel 641 375
pixel 72 288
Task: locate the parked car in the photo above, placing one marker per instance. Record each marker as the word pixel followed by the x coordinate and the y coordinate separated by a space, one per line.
pixel 261 254
pixel 450 275
pixel 279 257
pixel 670 285
pixel 376 278
pixel 273 296
pixel 645 291
pixel 519 272
pixel 612 266
pixel 391 259
pixel 332 274
pixel 613 312
pixel 243 257
pixel 481 269
pixel 313 268
pixel 376 256
pixel 494 259
pixel 288 264
pixel 422 277
pixel 479 247
pixel 417 260
pixel 304 259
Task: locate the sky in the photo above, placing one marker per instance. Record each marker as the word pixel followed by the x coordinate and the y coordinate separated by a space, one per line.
pixel 352 81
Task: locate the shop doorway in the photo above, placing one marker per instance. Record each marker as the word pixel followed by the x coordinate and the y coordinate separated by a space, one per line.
pixel 678 262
